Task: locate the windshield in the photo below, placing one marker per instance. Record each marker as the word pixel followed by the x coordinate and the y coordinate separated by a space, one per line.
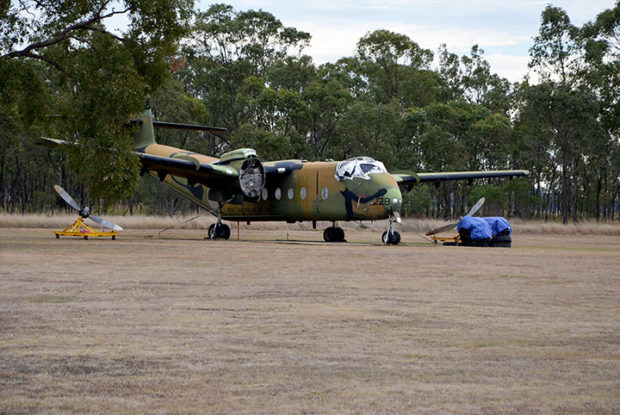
pixel 359 167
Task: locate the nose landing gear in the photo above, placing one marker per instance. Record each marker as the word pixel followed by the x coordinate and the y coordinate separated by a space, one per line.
pixel 391 237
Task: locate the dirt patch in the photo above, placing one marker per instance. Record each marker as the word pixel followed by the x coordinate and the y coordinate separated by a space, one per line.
pixel 265 325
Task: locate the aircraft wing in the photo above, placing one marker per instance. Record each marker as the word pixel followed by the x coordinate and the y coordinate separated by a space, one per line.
pixel 414 178
pixel 211 175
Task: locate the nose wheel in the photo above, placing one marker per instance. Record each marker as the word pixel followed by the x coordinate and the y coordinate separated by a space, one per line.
pixel 391 237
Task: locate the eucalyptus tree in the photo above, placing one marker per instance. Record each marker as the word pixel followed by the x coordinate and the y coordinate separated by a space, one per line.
pixel 387 59
pixel 226 48
pixel 569 102
pixel 95 76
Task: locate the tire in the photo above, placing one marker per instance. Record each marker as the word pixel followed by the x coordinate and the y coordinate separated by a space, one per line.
pixel 478 242
pixel 393 239
pixel 225 232
pixel 501 238
pixel 85 236
pixel 502 245
pixel 222 231
pixel 465 237
pixel 339 235
pixel 329 234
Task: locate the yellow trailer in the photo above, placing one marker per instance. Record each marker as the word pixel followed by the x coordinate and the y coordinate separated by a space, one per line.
pixel 79 228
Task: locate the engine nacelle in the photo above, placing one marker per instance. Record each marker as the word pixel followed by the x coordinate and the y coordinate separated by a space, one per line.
pixel 252 178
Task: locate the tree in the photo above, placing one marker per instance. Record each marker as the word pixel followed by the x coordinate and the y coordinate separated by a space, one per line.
pixel 384 55
pixel 97 77
pixel 556 48
pixel 227 47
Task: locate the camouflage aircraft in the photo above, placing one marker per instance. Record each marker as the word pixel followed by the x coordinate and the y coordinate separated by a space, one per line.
pixel 238 186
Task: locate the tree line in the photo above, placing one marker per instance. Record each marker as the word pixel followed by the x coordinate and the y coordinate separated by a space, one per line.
pixel 64 73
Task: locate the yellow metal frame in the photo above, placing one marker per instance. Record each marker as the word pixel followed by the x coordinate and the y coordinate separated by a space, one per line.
pixel 79 228
pixel 454 239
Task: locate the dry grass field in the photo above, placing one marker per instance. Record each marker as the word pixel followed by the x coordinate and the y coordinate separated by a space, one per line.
pixel 180 325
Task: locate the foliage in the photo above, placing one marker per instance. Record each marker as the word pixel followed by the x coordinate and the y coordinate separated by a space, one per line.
pixel 95 78
pixel 65 74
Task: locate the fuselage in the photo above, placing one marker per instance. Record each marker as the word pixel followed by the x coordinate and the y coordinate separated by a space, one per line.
pixel 355 189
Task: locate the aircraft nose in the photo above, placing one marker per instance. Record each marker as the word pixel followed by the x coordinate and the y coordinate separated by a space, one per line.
pixel 393 200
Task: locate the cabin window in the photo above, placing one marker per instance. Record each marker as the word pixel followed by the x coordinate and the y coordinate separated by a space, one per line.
pixel 291 193
pixel 302 193
pixel 324 192
pixel 278 194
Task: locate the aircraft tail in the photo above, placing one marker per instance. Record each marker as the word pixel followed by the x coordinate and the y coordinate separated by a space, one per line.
pixel 145 135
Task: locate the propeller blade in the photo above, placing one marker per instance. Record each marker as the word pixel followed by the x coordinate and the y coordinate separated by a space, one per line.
pixel 106 223
pixel 444 228
pixel 66 197
pixel 476 207
pixel 441 229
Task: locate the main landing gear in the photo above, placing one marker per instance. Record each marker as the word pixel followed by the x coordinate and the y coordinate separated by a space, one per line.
pixel 334 234
pixel 218 230
pixel 391 237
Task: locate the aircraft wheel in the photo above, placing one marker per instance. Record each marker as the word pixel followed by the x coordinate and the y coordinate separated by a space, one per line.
pixel 329 234
pixel 212 232
pixel 222 231
pixel 395 238
pixel 339 234
pixel 388 239
pixel 113 237
pixel 333 234
pixel 85 236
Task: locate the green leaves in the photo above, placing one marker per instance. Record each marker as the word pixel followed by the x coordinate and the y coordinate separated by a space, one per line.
pixel 96 78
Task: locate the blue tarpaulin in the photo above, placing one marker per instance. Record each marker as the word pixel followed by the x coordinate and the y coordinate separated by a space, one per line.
pixel 498 224
pixel 477 227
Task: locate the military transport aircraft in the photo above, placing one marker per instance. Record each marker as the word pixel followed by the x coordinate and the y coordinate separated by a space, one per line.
pixel 238 186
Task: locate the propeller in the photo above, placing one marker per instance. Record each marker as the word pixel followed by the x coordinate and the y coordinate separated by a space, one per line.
pixel 475 208
pixel 85 211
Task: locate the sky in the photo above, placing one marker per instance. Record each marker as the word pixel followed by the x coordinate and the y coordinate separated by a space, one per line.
pixel 504 29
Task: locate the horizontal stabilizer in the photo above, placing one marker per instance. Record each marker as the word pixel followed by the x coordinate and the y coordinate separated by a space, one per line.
pixel 192 127
pixel 179 126
pixel 52 142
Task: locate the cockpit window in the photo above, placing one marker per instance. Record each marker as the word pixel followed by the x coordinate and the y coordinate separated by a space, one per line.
pixel 359 167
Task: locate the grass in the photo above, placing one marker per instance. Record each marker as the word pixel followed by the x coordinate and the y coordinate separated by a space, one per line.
pixel 416 225
pixel 182 325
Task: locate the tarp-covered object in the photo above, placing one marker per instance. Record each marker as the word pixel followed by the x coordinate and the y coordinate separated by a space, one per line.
pixel 477 227
pixel 499 225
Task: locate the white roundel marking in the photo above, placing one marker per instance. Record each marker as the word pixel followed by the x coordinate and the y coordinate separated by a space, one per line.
pixel 278 193
pixel 324 192
pixel 291 193
pixel 302 193
pixel 265 194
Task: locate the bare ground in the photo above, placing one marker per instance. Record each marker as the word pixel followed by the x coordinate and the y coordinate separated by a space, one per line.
pixel 182 325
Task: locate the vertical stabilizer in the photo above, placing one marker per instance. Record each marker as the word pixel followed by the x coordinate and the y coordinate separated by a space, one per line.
pixel 145 135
